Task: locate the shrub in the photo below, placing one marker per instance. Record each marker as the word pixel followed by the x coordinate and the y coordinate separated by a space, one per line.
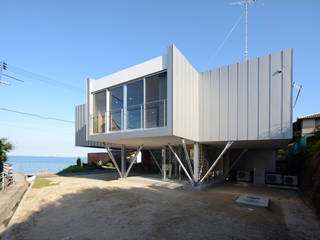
pixel 79 162
pixel 5 147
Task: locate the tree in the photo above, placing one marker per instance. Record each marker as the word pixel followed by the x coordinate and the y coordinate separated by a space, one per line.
pixel 5 147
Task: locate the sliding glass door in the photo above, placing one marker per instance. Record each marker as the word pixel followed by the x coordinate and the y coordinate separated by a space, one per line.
pixel 156 101
pixel 116 108
pixel 99 110
pixel 138 104
pixel 135 105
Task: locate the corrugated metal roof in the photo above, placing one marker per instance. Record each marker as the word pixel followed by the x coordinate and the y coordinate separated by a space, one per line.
pixel 314 115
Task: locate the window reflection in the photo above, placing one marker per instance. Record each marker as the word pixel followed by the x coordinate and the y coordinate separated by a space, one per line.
pixel 156 96
pixel 99 109
pixel 116 105
pixel 135 105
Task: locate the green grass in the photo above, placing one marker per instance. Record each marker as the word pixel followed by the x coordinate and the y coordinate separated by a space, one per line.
pixel 43 182
pixel 85 168
pixel 72 169
pixel 108 166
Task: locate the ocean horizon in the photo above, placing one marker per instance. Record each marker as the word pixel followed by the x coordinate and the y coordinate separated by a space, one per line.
pixel 30 164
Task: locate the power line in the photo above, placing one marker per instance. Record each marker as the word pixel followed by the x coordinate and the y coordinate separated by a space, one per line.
pixel 36 115
pixel 38 77
pixel 17 79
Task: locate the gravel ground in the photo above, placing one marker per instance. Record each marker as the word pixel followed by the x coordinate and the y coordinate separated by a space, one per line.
pixel 100 207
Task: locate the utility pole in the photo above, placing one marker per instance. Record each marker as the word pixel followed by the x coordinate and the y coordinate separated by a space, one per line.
pixel 245 4
pixel 3 66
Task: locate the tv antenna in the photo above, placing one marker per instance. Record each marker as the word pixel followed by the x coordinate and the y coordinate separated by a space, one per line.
pixel 245 4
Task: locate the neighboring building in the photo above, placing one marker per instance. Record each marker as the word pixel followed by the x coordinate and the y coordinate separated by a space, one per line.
pixel 306 125
pixel 243 111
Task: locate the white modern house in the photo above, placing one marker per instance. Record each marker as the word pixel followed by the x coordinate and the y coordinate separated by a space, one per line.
pixel 207 123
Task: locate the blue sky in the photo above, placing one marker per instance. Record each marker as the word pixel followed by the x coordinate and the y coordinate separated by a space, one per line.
pixel 72 40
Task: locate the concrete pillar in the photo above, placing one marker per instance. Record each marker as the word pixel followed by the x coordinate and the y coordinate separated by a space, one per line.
pixel 196 162
pixel 123 160
pixel 164 170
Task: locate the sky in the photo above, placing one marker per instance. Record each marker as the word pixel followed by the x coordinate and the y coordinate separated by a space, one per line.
pixel 69 41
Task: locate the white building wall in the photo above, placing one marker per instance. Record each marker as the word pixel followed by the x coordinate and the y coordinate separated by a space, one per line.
pixel 185 89
pixel 252 99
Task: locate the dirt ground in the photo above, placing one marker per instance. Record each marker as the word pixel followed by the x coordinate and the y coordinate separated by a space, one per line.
pixel 99 207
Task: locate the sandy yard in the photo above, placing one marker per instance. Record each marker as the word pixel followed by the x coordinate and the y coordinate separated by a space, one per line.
pixel 99 207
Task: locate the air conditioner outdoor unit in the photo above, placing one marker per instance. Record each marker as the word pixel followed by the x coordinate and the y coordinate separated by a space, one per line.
pixel 243 176
pixel 273 178
pixel 290 180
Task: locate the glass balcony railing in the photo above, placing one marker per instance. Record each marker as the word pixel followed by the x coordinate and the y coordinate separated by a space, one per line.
pixel 98 123
pixel 142 116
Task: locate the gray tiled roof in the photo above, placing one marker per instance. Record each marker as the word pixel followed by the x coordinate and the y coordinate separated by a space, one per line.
pixel 314 115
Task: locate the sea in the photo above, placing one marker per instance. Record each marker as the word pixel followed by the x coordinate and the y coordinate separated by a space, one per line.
pixel 30 164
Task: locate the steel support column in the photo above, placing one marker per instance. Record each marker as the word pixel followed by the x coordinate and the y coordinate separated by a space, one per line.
pixel 187 157
pixel 164 155
pixel 155 161
pixel 184 169
pixel 196 162
pixel 113 160
pixel 133 161
pixel 228 145
pixel 123 159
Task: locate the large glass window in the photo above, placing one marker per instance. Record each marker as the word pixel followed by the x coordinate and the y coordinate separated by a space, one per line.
pixel 99 110
pixel 156 101
pixel 135 105
pixel 116 108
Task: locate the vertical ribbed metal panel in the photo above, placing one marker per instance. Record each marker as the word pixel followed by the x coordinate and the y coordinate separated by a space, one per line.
pixel 80 128
pixel 249 100
pixel 224 106
pixel 233 102
pixel 287 93
pixel 264 97
pixel 185 97
pixel 243 101
pixel 253 101
pixel 276 97
pixel 214 99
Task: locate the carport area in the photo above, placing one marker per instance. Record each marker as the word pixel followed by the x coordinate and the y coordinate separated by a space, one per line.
pixel 102 207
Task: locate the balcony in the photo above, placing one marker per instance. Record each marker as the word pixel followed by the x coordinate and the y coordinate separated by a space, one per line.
pixel 136 117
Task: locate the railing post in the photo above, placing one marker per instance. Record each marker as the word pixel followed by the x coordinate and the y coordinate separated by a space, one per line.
pixel 164 112
pixel 122 120
pixel 107 122
pixel 141 119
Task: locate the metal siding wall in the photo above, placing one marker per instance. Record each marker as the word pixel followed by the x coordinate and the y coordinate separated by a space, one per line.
pixel 253 91
pixel 80 129
pixel 248 101
pixel 185 98
pixel 233 102
pixel 264 98
pixel 287 93
pixel 276 97
pixel 223 112
pixel 243 102
pixel 214 99
pixel 205 105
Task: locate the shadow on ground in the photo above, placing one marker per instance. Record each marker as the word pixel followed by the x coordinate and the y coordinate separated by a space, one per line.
pixel 149 213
